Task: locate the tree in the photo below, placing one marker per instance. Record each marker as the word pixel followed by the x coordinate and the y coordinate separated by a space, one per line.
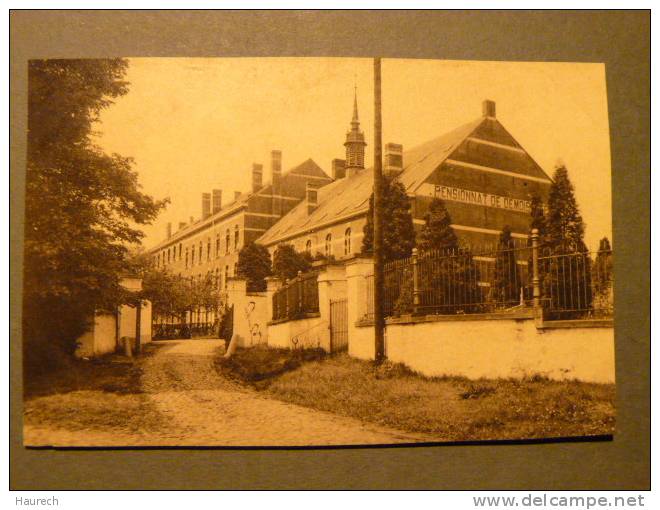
pixel 507 281
pixel 287 262
pixel 566 269
pixel 564 228
pixel 602 278
pixel 398 230
pixel 448 275
pixel 437 234
pixel 83 207
pixel 254 265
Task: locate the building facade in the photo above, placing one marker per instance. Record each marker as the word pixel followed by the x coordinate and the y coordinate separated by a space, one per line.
pixel 210 245
pixel 483 175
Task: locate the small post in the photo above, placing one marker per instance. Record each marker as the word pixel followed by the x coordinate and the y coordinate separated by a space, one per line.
pixel 416 291
pixel 536 292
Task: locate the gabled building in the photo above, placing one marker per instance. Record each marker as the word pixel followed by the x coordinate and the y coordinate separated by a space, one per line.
pixel 211 244
pixel 479 170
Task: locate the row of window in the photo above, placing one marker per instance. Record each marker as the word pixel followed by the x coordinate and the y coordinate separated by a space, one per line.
pixel 196 253
pixel 328 249
pixel 216 275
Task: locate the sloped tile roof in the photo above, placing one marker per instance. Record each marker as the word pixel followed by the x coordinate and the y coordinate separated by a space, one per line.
pixel 350 196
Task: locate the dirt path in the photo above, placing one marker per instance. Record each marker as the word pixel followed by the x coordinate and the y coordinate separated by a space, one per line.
pixel 185 402
pixel 206 409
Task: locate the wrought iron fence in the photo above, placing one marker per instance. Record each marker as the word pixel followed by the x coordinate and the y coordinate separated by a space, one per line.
pixel 297 298
pixel 487 280
pixel 576 285
pixel 168 331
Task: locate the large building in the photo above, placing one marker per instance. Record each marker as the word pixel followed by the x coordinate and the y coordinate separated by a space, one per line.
pixel 210 245
pixel 483 175
pixel 479 170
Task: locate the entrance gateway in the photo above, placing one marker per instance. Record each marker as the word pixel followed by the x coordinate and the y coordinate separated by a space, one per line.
pixel 338 325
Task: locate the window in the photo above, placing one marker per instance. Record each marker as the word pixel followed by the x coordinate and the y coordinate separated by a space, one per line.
pixel 201 247
pixel 186 258
pixel 168 255
pixel 236 237
pixel 180 247
pixel 328 245
pixel 347 241
pixel 217 277
pixel 217 245
pixel 235 269
pixel 158 261
pixel 308 246
pixel 192 256
pixel 226 275
pixel 227 241
pixel 208 249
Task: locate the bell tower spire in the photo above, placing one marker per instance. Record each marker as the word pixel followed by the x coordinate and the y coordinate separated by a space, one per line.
pixel 354 143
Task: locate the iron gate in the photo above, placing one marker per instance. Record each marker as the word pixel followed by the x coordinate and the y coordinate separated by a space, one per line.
pixel 338 325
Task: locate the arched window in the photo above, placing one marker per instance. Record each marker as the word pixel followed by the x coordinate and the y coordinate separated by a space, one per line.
pixel 308 246
pixel 347 241
pixel 328 245
pixel 227 241
pixel 236 235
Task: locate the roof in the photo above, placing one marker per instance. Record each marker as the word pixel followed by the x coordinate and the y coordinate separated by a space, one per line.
pixel 348 197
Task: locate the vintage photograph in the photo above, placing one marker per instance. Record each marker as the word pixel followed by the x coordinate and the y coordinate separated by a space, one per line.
pixel 284 252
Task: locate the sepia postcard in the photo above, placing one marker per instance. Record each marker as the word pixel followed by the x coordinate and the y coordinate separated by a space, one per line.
pixel 305 252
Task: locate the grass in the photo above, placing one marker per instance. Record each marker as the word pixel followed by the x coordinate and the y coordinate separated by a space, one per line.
pixel 444 409
pixel 99 394
pixel 259 365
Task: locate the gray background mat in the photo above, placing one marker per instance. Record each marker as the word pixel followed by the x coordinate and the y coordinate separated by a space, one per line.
pixel 620 39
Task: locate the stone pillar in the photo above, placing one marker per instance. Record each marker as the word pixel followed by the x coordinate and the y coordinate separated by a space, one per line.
pixel 272 285
pixel 360 339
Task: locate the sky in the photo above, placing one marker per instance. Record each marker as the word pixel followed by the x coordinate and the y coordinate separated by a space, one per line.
pixel 195 124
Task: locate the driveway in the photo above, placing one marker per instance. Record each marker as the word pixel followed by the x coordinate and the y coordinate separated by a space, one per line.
pixel 205 409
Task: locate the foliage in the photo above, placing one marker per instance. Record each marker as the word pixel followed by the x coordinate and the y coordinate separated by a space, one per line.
pixel 82 207
pixel 287 262
pixel 565 267
pixel 397 221
pixel 602 277
pixel 507 279
pixel 437 234
pixel 564 228
pixel 254 265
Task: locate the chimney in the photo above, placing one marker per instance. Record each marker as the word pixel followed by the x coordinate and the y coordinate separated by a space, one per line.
pixel 257 177
pixel 488 108
pixel 312 197
pixel 338 168
pixel 206 205
pixel 393 158
pixel 276 167
pixel 236 195
pixel 216 200
pixel 169 230
pixel 182 225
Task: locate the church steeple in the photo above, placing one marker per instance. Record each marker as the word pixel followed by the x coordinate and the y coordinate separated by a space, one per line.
pixel 354 143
